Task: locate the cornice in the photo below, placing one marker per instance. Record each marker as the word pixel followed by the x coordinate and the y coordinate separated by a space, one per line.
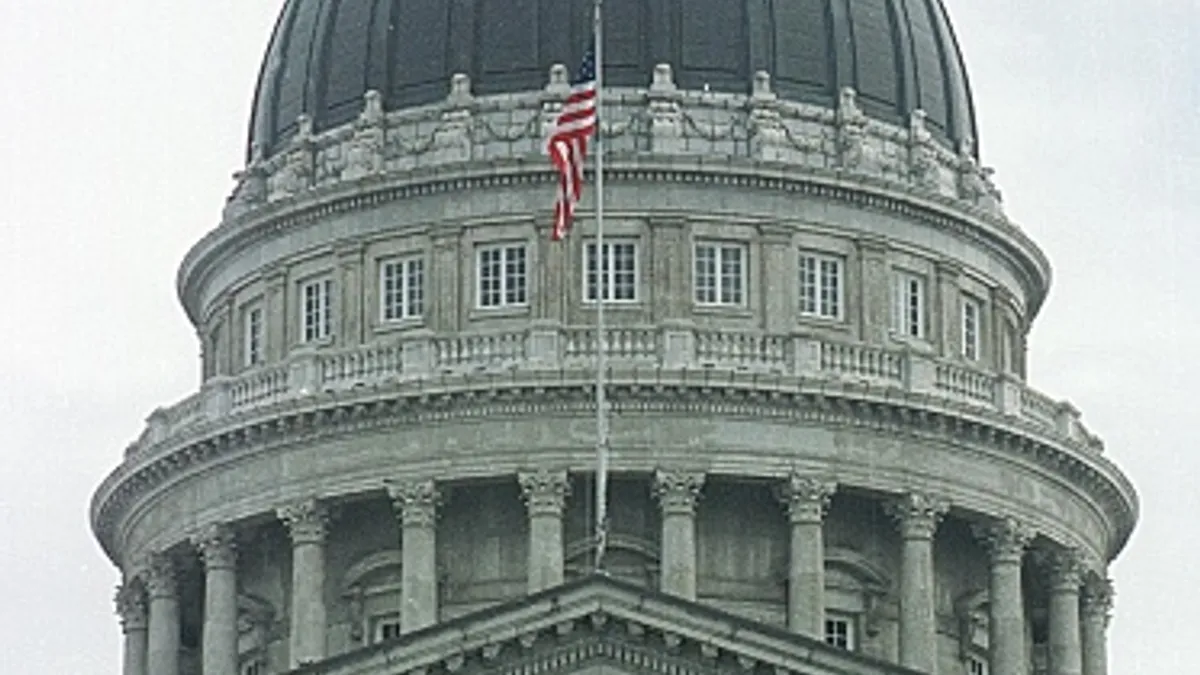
pixel 878 194
pixel 331 415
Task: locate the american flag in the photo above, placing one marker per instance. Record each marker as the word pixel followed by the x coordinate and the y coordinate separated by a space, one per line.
pixel 568 143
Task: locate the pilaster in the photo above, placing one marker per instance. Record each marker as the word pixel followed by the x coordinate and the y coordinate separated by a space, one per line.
pixel 545 494
pixel 307 522
pixel 1006 540
pixel 134 612
pixel 806 498
pixel 918 516
pixel 416 503
pixel 779 279
pixel 677 493
pixel 275 312
pixel 875 290
pixel 219 648
pixel 351 292
pixel 446 280
pixel 670 260
pixel 948 320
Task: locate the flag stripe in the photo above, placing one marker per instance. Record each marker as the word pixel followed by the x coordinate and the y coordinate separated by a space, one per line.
pixel 568 144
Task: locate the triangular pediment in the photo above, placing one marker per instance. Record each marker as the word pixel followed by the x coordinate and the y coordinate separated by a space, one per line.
pixel 600 626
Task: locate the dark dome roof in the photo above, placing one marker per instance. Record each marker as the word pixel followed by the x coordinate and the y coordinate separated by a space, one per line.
pixel 900 55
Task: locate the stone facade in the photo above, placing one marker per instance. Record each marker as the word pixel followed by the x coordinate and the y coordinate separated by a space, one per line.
pixel 840 448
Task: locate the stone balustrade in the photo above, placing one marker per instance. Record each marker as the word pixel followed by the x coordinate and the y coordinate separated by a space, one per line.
pixel 638 351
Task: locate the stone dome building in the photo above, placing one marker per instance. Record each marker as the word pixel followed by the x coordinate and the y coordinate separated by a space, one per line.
pixel 826 457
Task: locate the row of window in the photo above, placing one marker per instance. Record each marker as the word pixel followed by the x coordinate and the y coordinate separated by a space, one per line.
pixel 841 632
pixel 719 280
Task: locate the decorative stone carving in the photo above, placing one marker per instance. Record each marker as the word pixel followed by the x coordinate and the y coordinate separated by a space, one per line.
pixel 851 130
pixel 416 501
pixel 453 136
pixel 365 152
pixel 131 605
pixel 1006 539
pixel 545 492
pixel 1097 599
pixel 767 133
pixel 970 182
pixel 807 497
pixel 307 521
pixel 160 576
pixel 918 514
pixel 1065 567
pixel 298 171
pixel 922 160
pixel 216 546
pixel 677 491
pixel 250 187
pixel 664 111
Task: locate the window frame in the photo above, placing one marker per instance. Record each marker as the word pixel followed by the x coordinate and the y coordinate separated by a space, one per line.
pixel 606 276
pixel 410 309
pixel 379 625
pixel 971 328
pixel 506 287
pixel 902 305
pixel 851 634
pixel 253 335
pixel 322 328
pixel 820 295
pixel 720 249
pixel 977 665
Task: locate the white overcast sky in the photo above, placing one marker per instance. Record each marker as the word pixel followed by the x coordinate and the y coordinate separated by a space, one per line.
pixel 122 120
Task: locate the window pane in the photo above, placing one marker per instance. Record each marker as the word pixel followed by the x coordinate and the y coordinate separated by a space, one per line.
pixel 590 272
pixel 416 288
pixel 706 274
pixel 514 275
pixel 731 275
pixel 624 271
pixel 808 285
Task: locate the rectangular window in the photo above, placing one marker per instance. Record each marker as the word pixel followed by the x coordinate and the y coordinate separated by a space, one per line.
pixel 821 286
pixel 252 333
pixel 316 312
pixel 616 270
pixel 839 632
pixel 386 628
pixel 720 274
pixel 976 666
pixel 972 316
pixel 908 307
pixel 503 278
pixel 402 288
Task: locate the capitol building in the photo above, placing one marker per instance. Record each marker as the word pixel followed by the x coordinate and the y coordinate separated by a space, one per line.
pixel 826 458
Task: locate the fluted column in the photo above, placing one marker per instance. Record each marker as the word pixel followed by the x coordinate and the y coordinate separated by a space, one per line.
pixel 1006 541
pixel 806 498
pixel 307 522
pixel 677 492
pixel 918 516
pixel 1095 608
pixel 219 653
pixel 131 607
pixel 1066 574
pixel 162 650
pixel 545 494
pixel 416 504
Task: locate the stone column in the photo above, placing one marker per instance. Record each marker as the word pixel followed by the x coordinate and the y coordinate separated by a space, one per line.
pixel 918 516
pixel 806 498
pixel 677 492
pixel 307 522
pixel 1065 650
pixel 131 607
pixel 1095 610
pixel 162 649
pixel 219 654
pixel 545 494
pixel 416 503
pixel 1006 540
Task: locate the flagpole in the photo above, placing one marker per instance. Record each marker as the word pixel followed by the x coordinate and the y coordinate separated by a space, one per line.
pixel 601 288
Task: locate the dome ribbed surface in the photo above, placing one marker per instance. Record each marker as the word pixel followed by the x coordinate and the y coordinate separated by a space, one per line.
pixel 900 55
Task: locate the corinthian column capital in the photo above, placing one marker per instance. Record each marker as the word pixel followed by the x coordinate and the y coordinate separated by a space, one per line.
pixel 131 605
pixel 917 514
pixel 1097 599
pixel 307 521
pixel 1005 539
pixel 416 501
pixel 1065 567
pixel 806 497
pixel 545 492
pixel 677 491
pixel 159 576
pixel 216 546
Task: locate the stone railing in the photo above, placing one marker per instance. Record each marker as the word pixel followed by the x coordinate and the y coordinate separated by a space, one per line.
pixel 660 119
pixel 421 356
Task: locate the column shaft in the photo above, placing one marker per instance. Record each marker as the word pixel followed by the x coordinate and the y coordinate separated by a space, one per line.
pixel 219 653
pixel 1066 656
pixel 134 659
pixel 1006 541
pixel 806 499
pixel 307 521
pixel 417 503
pixel 1095 608
pixel 545 496
pixel 162 649
pixel 677 493
pixel 918 516
pixel 131 607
